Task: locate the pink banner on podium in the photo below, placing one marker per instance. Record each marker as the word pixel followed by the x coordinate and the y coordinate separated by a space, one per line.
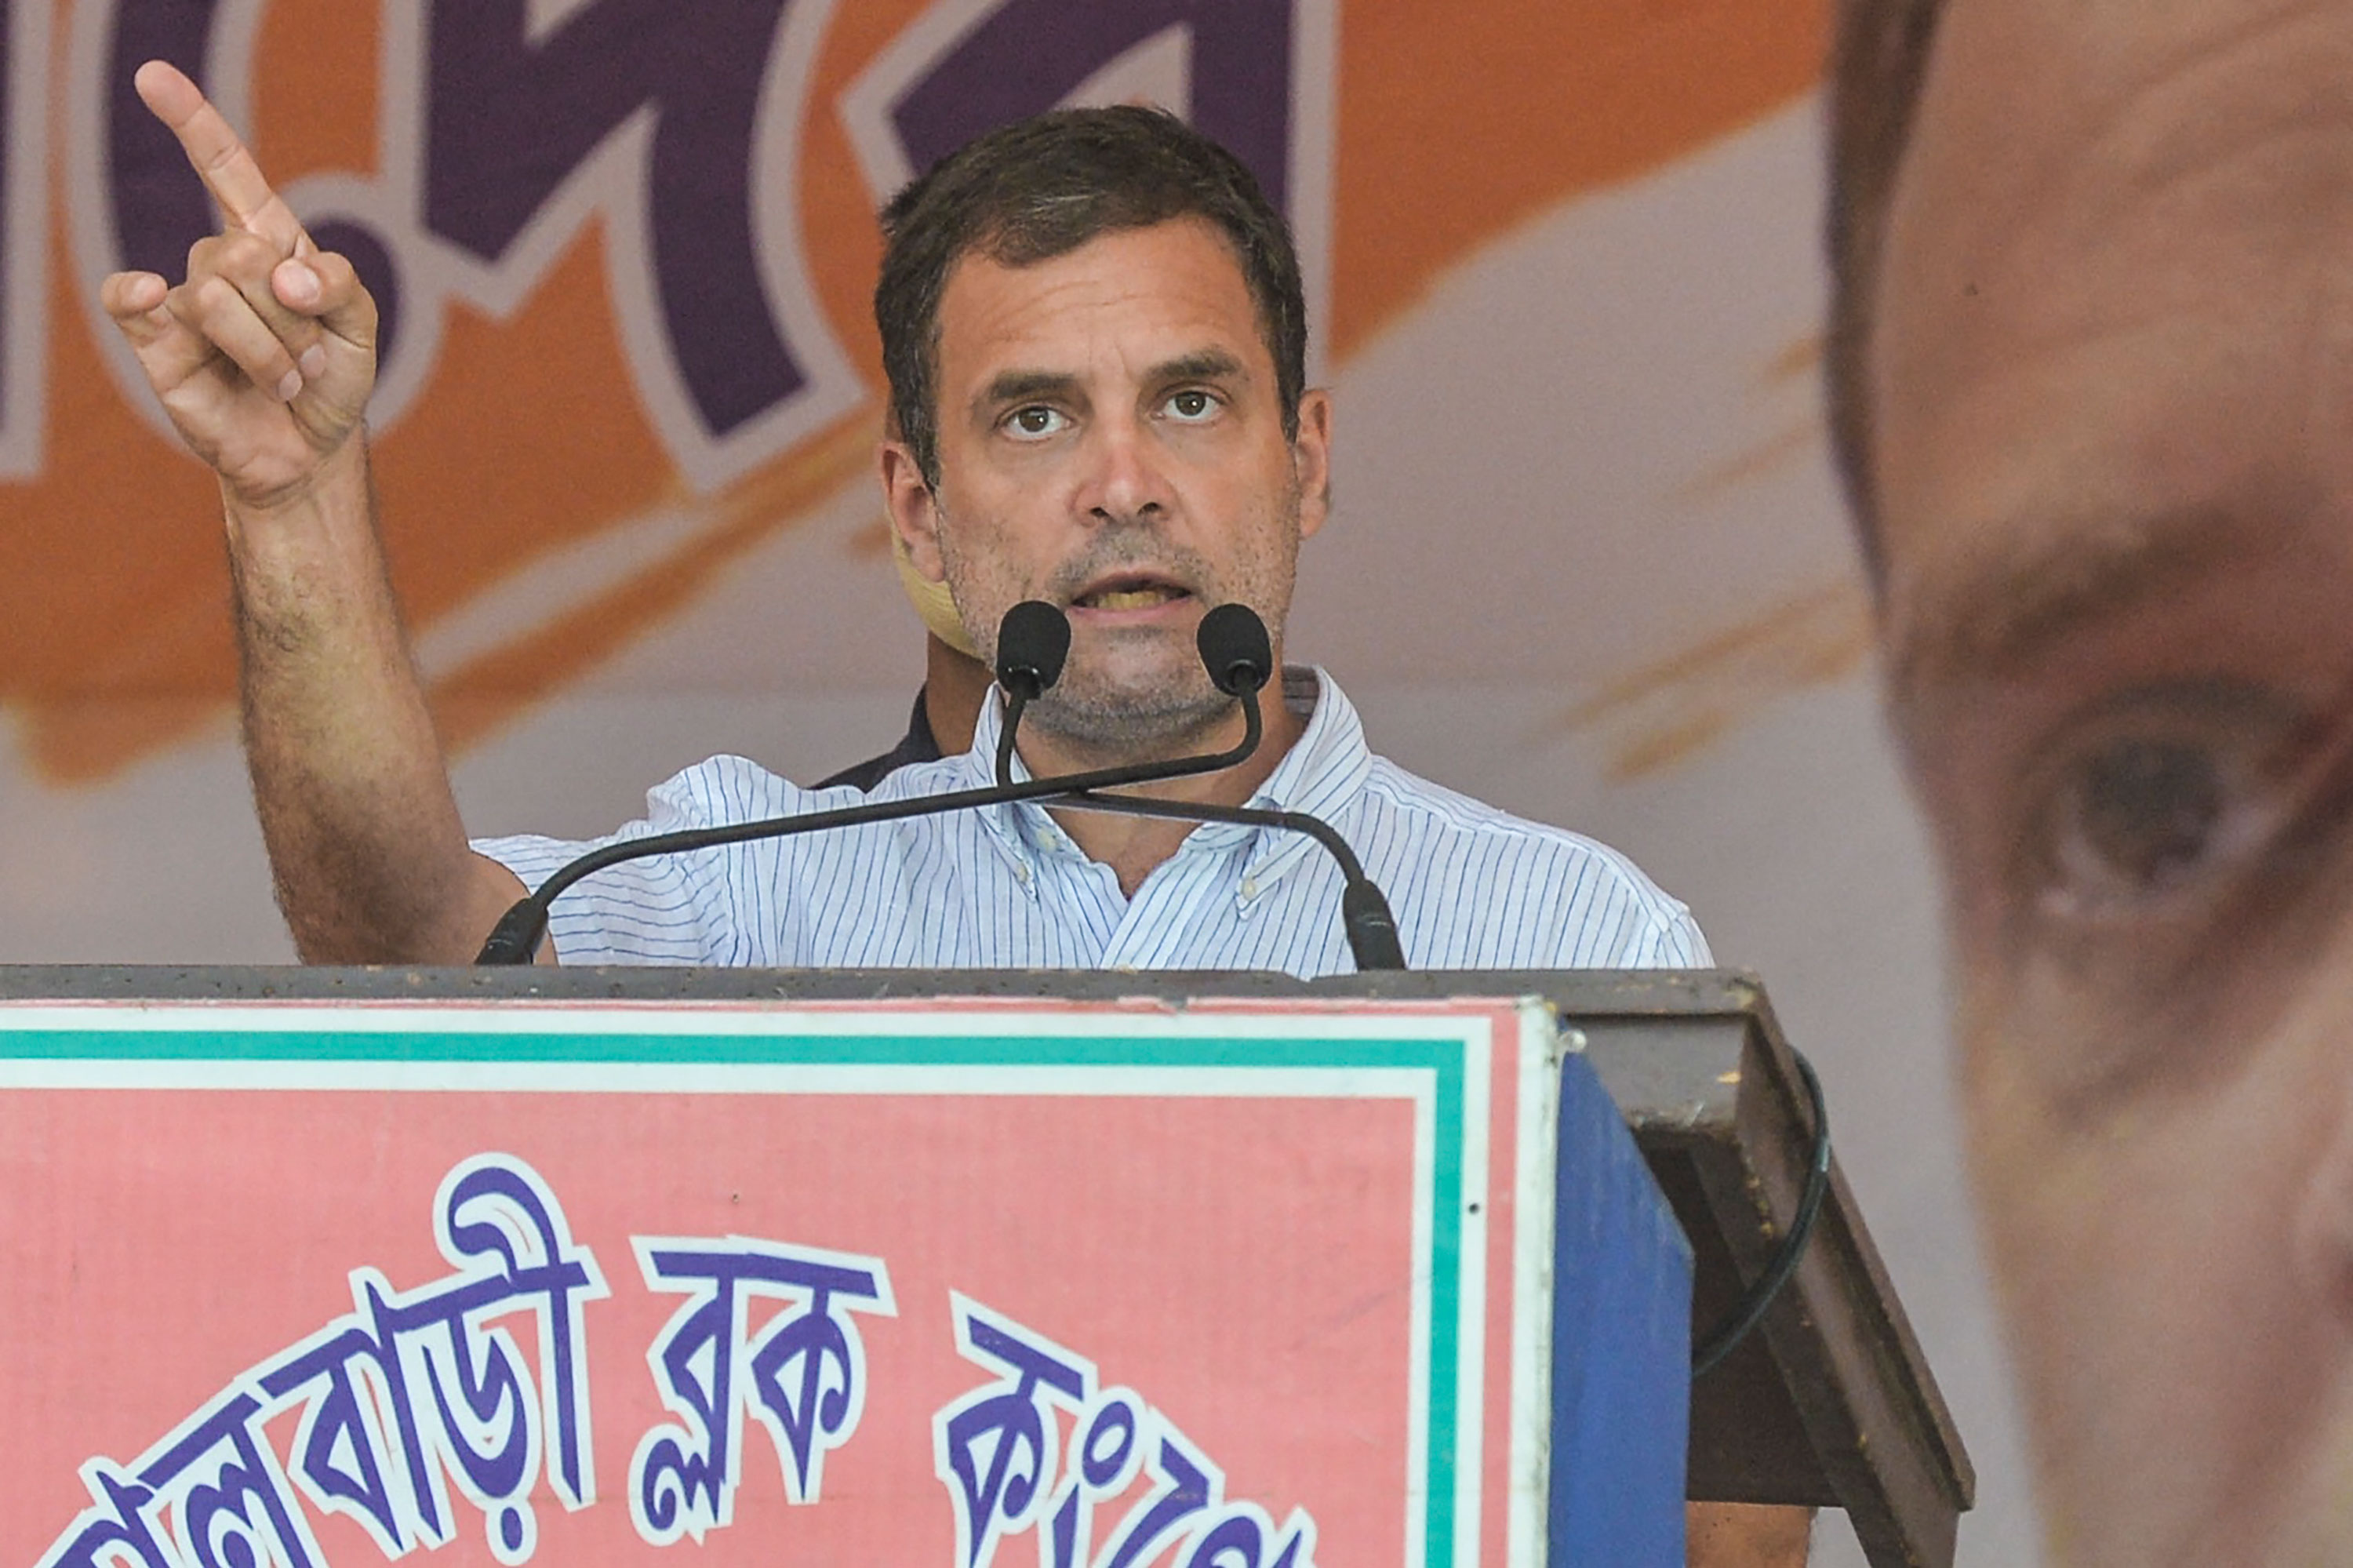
pixel 1101 1285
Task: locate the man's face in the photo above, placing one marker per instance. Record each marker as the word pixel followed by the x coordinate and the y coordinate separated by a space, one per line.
pixel 2111 381
pixel 1110 440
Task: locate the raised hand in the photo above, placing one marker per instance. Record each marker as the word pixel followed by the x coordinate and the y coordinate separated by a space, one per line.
pixel 265 355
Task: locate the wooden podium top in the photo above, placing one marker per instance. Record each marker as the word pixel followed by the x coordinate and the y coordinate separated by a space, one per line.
pixel 1828 1404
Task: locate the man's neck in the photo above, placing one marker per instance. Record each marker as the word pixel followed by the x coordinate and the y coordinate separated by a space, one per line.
pixel 1134 847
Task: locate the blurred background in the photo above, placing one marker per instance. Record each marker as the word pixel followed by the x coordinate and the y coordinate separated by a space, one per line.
pixel 1589 560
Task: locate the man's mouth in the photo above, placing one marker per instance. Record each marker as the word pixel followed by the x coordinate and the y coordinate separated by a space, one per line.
pixel 1129 593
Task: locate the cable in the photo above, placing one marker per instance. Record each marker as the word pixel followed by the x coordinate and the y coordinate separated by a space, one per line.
pixel 1750 1311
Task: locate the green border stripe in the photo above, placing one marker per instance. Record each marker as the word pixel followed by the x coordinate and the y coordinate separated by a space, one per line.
pixel 655 1049
pixel 1441 1057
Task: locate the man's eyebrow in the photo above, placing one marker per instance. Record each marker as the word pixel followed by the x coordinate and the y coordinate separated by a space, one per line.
pixel 1206 364
pixel 1009 386
pixel 2003 618
pixel 1021 386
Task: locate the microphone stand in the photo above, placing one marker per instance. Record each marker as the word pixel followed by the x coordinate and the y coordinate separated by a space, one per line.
pixel 517 936
pixel 1365 914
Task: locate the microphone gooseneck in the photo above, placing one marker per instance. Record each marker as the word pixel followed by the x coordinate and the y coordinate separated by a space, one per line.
pixel 516 937
pixel 1239 657
pixel 1365 915
pixel 1032 643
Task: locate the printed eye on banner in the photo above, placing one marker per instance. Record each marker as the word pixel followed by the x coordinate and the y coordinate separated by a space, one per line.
pixel 505 127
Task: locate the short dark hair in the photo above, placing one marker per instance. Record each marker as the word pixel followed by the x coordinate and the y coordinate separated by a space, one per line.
pixel 1042 187
pixel 1879 58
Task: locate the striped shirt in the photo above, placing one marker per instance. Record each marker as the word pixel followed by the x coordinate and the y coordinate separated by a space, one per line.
pixel 1004 888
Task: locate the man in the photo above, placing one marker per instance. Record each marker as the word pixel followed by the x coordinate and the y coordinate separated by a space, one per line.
pixel 1094 333
pixel 2093 385
pixel 956 683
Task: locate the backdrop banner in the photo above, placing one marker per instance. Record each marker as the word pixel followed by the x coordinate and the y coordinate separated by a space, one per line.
pixel 1588 559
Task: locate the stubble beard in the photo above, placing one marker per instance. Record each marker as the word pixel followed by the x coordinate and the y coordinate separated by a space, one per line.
pixel 1169 707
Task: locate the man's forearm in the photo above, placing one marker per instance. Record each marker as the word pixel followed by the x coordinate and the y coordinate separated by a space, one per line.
pixel 365 845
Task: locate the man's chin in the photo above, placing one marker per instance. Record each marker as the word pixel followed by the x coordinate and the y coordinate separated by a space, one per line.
pixel 1149 721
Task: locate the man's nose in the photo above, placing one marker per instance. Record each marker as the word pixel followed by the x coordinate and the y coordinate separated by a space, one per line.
pixel 1125 477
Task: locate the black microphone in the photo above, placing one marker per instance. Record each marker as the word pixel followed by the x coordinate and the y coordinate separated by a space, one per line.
pixel 1235 650
pixel 1240 660
pixel 516 937
pixel 1033 641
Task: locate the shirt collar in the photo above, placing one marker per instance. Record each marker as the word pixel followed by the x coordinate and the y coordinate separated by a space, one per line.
pixel 1320 775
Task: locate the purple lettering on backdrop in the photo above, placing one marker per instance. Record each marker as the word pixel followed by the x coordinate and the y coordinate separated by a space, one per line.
pixel 1029 54
pixel 160 207
pixel 1240 1538
pixel 510 117
pixel 491 1444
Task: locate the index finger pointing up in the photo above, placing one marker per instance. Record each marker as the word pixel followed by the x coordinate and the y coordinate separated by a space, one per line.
pixel 219 158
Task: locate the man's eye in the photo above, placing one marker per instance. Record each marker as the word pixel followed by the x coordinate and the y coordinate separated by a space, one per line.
pixel 2152 813
pixel 1036 422
pixel 1191 405
pixel 2140 818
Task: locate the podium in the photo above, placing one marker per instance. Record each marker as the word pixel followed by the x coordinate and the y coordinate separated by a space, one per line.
pixel 321 1267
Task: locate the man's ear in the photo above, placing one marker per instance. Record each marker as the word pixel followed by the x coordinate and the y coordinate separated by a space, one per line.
pixel 1311 459
pixel 914 514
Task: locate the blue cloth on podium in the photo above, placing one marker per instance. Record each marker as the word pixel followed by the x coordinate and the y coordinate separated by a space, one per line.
pixel 1622 1342
pixel 1004 887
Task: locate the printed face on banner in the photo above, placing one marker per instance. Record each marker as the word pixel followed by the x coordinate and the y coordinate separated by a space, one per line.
pixel 1112 440
pixel 2113 381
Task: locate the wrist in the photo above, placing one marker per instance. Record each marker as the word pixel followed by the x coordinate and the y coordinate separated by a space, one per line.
pixel 336 477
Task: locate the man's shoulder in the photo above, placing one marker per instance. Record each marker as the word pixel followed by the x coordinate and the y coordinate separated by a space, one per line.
pixel 731 788
pixel 1439 809
pixel 1605 909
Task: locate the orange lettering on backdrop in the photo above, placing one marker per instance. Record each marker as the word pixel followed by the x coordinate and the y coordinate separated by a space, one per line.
pixel 1455 124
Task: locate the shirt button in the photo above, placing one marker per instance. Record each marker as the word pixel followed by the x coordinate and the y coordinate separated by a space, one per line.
pixel 1249 887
